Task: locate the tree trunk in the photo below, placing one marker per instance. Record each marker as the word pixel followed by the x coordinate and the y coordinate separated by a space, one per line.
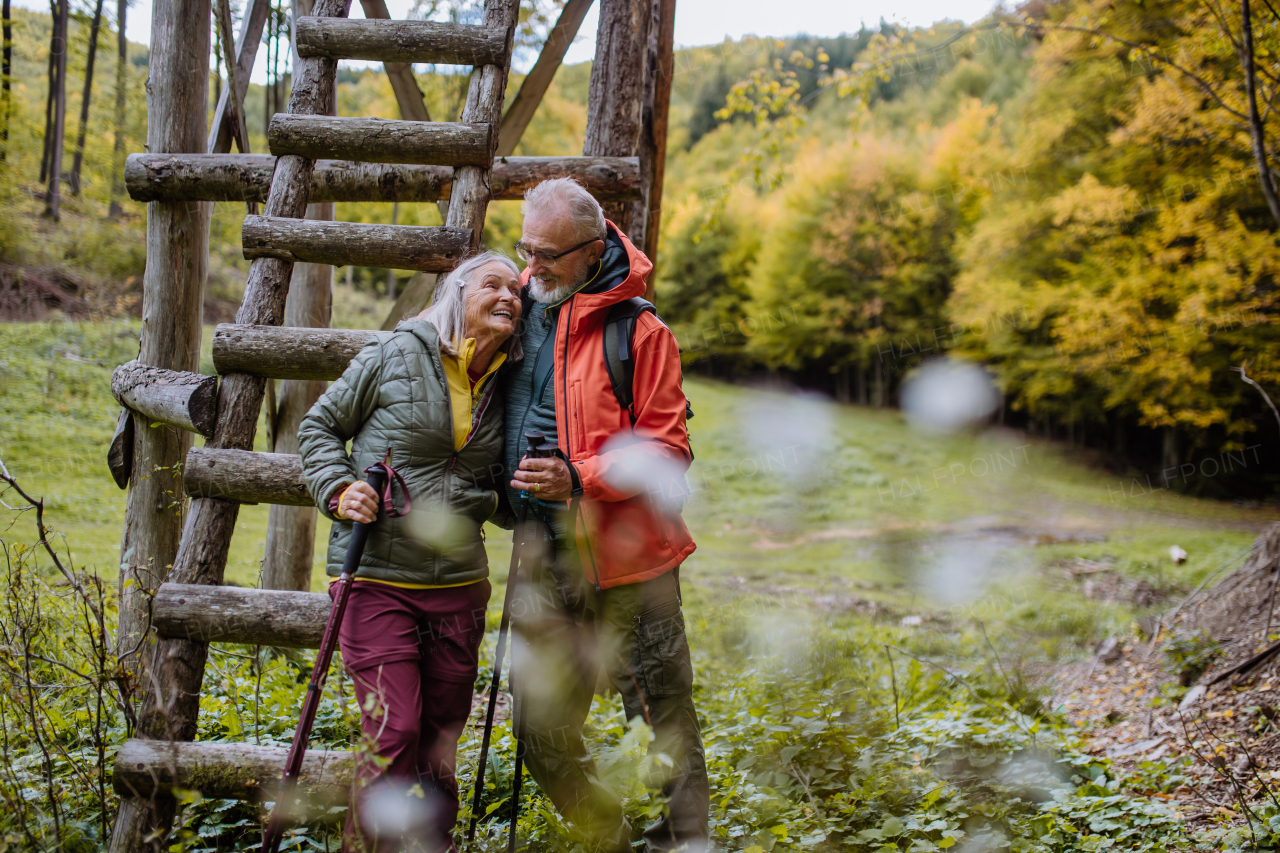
pixel 84 100
pixel 1257 132
pixel 6 65
pixel 173 284
pixel 1170 455
pixel 122 76
pixel 53 88
pixel 616 96
pixel 53 196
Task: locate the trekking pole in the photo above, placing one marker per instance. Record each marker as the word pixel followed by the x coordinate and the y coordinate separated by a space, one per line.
pixel 535 439
pixel 541 451
pixel 293 764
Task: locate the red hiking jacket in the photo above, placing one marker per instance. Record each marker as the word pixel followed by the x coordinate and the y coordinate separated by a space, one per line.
pixel 624 535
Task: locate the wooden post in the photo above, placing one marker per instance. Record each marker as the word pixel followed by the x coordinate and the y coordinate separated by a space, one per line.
pixel 469 198
pixel 657 110
pixel 172 699
pixel 535 86
pixel 172 296
pixel 247 42
pixel 615 99
pixel 291 530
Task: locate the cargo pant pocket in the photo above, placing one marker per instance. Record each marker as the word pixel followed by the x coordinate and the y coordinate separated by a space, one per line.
pixel 662 651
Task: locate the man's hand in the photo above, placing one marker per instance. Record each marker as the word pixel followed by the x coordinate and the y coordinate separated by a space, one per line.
pixel 547 479
pixel 359 503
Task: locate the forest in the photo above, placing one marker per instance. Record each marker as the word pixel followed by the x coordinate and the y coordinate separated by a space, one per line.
pixel 1007 655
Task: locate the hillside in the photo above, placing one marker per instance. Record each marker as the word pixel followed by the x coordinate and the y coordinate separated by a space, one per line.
pixel 843 559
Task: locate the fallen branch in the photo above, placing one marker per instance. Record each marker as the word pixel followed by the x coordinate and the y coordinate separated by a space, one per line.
pixel 1249 665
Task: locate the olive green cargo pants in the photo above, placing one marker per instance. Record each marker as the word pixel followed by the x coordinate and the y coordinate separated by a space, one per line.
pixel 565 632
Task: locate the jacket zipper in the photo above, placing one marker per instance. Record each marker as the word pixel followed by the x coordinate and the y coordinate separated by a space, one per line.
pixel 568 438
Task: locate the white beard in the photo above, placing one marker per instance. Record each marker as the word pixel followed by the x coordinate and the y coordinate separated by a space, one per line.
pixel 545 295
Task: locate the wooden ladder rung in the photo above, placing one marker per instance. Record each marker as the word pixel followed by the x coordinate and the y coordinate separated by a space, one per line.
pixel 399 247
pixel 376 140
pixel 400 41
pixel 246 476
pixel 230 771
pixel 176 398
pixel 231 614
pixel 247 177
pixel 287 352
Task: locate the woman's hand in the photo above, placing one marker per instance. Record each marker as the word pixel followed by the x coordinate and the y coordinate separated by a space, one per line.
pixel 359 503
pixel 547 479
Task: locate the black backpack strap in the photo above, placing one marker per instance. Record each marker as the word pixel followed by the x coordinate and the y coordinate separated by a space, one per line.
pixel 619 331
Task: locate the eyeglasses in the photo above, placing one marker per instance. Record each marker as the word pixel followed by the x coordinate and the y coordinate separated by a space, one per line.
pixel 545 258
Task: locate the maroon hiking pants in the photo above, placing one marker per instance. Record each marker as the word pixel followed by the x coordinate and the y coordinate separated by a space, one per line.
pixel 412 655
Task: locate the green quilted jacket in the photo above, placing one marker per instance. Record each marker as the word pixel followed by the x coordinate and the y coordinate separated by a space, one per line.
pixel 394 397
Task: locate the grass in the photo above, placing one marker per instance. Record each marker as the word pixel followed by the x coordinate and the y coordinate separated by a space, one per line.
pixel 790 495
pixel 827 536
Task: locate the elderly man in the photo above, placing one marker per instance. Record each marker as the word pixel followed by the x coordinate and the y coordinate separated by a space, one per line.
pixel 609 596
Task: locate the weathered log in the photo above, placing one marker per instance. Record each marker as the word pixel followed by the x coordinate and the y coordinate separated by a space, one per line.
pixel 247 177
pixel 229 614
pixel 246 477
pixel 400 41
pixel 287 353
pixel 402 247
pixel 253 22
pixel 470 197
pixel 172 299
pixel 231 771
pixel 535 86
pixel 605 178
pixel 615 98
pixel 291 530
pixel 120 451
pixel 378 140
pixel 177 398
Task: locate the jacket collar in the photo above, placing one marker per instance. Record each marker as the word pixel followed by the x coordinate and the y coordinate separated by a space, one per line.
pixel 632 285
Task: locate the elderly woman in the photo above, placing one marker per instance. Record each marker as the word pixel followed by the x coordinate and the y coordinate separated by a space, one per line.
pixel 426 400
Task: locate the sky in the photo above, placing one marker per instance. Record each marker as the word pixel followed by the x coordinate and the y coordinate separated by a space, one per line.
pixel 698 22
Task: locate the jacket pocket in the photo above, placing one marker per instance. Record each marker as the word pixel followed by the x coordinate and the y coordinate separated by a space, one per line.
pixel 576 417
pixel 663 651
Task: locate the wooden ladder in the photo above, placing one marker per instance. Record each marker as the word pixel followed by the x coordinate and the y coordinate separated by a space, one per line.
pixel 193 608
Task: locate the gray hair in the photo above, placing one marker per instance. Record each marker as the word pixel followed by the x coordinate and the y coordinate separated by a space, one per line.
pixel 584 211
pixel 448 311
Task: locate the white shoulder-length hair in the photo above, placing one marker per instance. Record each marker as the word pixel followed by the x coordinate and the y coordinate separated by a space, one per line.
pixel 448 311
